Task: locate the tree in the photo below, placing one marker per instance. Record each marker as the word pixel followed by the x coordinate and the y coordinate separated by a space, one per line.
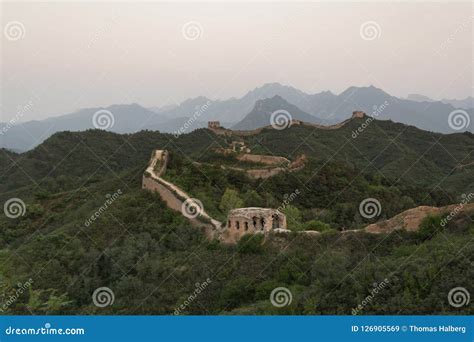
pixel 253 199
pixel 230 200
pixel 429 227
pixel 293 217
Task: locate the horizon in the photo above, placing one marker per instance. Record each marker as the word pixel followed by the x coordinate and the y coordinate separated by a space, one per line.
pixel 152 108
pixel 158 54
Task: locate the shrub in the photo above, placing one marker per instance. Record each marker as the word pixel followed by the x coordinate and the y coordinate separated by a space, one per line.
pixel 316 225
pixel 250 243
pixel 429 227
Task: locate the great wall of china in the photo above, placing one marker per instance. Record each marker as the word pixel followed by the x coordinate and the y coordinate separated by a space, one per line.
pixel 178 200
pixel 217 129
pixel 174 197
pixel 229 232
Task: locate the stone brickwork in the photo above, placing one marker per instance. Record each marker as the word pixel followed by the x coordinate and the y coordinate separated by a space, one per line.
pixel 252 220
pixel 263 159
pixel 213 124
pixel 358 114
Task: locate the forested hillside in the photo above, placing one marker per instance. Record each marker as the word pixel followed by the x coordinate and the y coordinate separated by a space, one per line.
pixel 152 258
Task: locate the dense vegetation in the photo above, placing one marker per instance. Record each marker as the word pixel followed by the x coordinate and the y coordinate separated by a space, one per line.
pixel 152 259
pixel 331 195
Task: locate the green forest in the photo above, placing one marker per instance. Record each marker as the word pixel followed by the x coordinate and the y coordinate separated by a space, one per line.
pixel 153 259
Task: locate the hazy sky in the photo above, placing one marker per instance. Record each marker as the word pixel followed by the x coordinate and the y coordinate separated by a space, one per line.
pixel 59 57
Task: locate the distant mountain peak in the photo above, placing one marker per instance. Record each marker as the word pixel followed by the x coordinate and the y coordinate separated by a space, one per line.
pixel 269 89
pixel 272 102
pixel 372 90
pixel 326 92
pixel 261 114
pixel 195 101
pixel 272 85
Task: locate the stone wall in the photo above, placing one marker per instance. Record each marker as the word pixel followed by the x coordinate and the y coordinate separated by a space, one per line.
pixel 263 159
pixel 252 220
pixel 230 132
pixel 264 173
pixel 172 195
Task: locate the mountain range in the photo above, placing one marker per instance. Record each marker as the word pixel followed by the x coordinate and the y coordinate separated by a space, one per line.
pixel 248 112
pixel 466 103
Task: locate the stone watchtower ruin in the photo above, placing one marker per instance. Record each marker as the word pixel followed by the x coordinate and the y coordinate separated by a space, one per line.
pixel 358 114
pixel 253 220
pixel 213 124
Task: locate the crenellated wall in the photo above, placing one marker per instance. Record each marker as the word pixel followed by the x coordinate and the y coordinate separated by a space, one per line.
pixel 263 159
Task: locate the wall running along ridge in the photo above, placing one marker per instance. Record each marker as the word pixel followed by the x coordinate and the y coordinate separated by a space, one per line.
pixel 173 196
pixel 229 132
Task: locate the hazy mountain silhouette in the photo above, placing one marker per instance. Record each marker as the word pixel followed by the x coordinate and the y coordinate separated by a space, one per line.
pixel 419 98
pixel 331 108
pixel 127 118
pixel 467 103
pixel 324 107
pixel 260 115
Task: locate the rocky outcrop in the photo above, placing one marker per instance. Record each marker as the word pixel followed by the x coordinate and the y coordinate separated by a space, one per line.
pixel 411 219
